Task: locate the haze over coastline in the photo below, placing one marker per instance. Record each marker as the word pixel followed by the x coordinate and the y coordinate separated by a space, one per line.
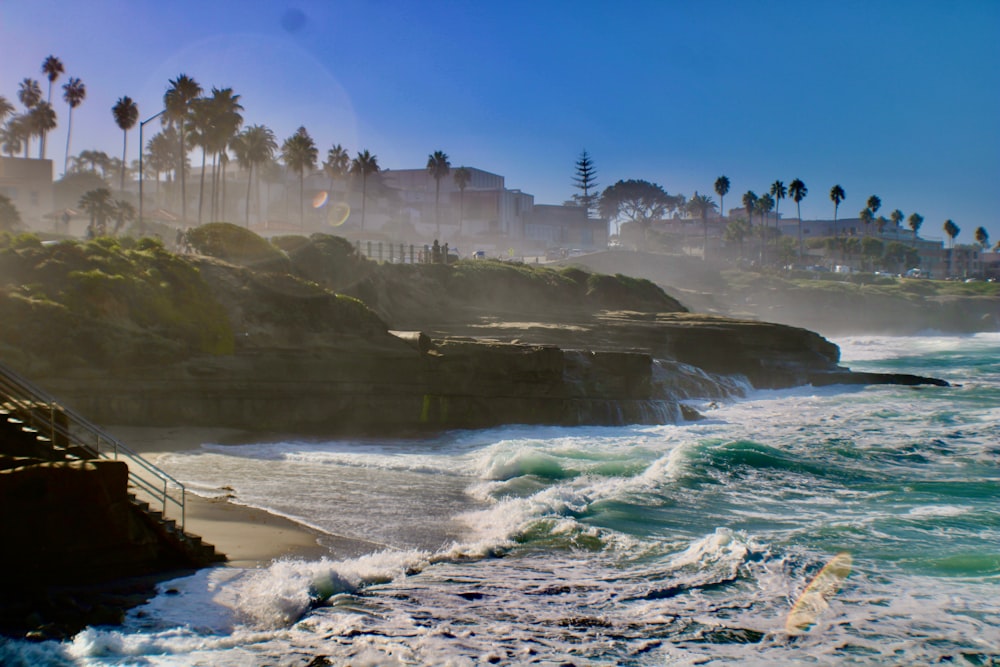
pixel 898 99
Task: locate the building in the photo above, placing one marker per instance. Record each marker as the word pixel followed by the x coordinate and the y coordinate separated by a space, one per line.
pixel 28 184
pixel 565 227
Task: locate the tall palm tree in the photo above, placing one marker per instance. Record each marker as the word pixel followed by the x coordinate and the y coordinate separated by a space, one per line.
pixel 915 220
pixel 126 115
pixel 701 205
pixel 74 92
pixel 363 165
pixel 254 147
pixel 438 167
pixel 299 153
pixel 178 101
pixel 52 67
pixel 896 217
pixel 722 189
pixel 764 205
pixel 982 237
pixel 462 177
pixel 837 195
pixel 337 164
pixel 226 120
pixel 952 230
pixel 750 205
pixel 797 191
pixel 778 191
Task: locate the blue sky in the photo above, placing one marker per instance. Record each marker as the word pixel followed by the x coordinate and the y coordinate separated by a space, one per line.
pixel 899 99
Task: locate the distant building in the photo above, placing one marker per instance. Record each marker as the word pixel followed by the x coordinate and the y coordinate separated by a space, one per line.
pixel 565 227
pixel 28 184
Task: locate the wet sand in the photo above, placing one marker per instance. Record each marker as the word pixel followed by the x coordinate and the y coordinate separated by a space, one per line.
pixel 249 537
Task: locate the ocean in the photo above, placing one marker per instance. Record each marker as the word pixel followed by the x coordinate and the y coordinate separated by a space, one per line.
pixel 675 544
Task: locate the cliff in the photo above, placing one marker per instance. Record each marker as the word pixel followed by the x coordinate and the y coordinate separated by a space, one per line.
pixel 298 336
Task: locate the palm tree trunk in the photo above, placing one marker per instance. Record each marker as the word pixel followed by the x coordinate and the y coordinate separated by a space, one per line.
pixel 201 188
pixel 183 159
pixel 437 207
pixel 124 151
pixel 69 133
pixel 302 203
pixel 364 197
pixel 249 183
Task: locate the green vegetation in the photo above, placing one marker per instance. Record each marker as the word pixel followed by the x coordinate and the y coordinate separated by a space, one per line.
pixel 236 245
pixel 109 302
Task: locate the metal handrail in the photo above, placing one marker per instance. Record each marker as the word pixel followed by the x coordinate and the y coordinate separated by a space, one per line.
pixel 61 424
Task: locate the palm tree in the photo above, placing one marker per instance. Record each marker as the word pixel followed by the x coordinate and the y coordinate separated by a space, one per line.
pixel 98 204
pixel 126 115
pixel 178 101
pixel 52 67
pixel 721 189
pixel 42 120
pixel 30 94
pixel 982 237
pixel 896 217
pixel 337 164
pixel 462 177
pixel 778 191
pixel 750 205
pixel 226 120
pixel 438 167
pixel 952 230
pixel 797 191
pixel 874 204
pixel 701 205
pixel 299 153
pixel 364 164
pixel 765 204
pixel 915 220
pixel 74 92
pixel 837 195
pixel 254 147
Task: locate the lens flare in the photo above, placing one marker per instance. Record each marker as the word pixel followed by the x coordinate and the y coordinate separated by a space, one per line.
pixel 815 598
pixel 319 201
pixel 337 213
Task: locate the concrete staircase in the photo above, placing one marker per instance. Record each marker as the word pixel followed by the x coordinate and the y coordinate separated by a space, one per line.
pixel 35 427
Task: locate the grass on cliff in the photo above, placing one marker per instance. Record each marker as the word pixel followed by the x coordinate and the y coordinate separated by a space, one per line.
pixel 106 300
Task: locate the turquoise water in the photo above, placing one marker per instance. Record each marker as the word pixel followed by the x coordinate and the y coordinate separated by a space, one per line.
pixel 642 545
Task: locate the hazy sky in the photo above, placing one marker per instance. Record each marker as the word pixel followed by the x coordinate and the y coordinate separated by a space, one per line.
pixel 899 99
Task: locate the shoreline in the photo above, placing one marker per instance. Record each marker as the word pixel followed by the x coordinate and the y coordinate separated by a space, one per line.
pixel 249 537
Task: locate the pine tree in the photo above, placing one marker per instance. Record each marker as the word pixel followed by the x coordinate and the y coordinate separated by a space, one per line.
pixel 585 181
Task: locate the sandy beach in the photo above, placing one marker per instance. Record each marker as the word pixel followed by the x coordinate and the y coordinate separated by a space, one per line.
pixel 249 537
